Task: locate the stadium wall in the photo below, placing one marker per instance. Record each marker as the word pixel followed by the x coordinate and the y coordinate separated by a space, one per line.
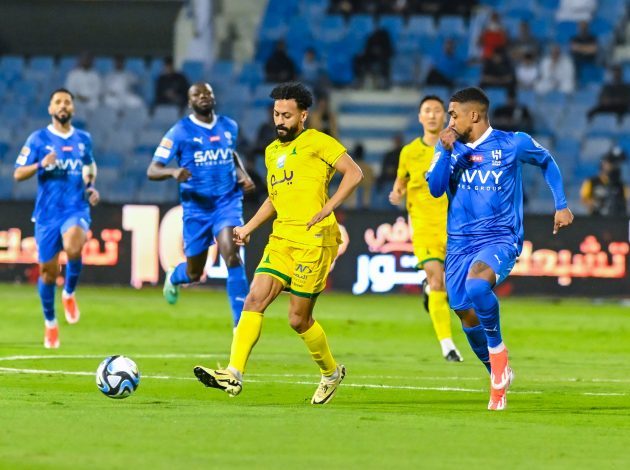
pixel 102 27
pixel 133 244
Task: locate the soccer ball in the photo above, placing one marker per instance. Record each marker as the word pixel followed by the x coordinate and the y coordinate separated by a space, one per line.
pixel 117 377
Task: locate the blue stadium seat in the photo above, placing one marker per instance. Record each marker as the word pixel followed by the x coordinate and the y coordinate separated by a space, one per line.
pixel 624 127
pixel 193 70
pixel 261 94
pixel 42 63
pixel 331 28
pixel 340 68
pixel 136 65
pixel 25 91
pixel 134 118
pixel 421 25
pixel 564 31
pixel 452 26
pixel 25 190
pixel 585 97
pixel 251 74
pixel 542 27
pixel 361 22
pixel 594 148
pixel 66 63
pixel 148 140
pixel 404 70
pixel 441 91
pixel 103 65
pixel 164 116
pixel 272 27
pixel 624 143
pixel 496 95
pixel 591 73
pixel 156 65
pixel 603 125
pixel 120 141
pixel 393 24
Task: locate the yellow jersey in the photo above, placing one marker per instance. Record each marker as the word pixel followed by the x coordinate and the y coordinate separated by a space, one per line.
pixel 427 213
pixel 298 174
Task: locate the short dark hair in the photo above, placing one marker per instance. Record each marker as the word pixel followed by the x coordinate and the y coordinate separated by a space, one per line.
pixel 293 91
pixel 431 98
pixel 471 94
pixel 61 90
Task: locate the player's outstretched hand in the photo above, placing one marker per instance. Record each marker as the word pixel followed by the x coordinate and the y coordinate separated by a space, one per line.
pixel 321 215
pixel 181 174
pixel 49 159
pixel 447 138
pixel 240 236
pixel 93 196
pixel 563 218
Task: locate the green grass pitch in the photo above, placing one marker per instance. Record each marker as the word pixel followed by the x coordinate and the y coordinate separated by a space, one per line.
pixel 401 405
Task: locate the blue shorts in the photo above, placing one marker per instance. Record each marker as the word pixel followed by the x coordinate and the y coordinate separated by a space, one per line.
pixel 200 229
pixel 49 235
pixel 499 256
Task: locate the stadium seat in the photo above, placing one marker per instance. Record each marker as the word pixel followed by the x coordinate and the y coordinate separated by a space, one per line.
pixel 340 68
pixel 133 118
pixel 156 65
pixel 104 65
pixel 136 65
pixel 272 27
pixel 193 70
pixel 603 125
pixel 11 68
pixel 594 148
pixel 362 22
pixel 25 190
pixel 564 31
pixel 452 26
pixel 420 25
pixel 405 70
pixel 164 116
pixel 251 74
pixel 331 28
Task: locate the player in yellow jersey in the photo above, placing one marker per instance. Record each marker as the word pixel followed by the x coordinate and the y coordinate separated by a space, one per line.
pixel 428 217
pixel 302 245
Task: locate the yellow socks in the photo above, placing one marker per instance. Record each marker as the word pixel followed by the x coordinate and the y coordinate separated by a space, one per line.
pixel 315 340
pixel 245 337
pixel 440 314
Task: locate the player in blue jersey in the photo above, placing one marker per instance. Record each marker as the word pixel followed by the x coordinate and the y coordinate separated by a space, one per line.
pixel 480 170
pixel 210 176
pixel 61 157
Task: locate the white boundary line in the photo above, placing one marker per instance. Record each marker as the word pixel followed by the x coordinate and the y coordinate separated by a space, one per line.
pixel 288 376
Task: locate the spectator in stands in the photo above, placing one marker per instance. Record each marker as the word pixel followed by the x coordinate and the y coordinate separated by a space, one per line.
pixel 279 66
pixel 119 84
pixel 557 72
pixel 228 43
pixel 366 185
pixel 443 65
pixel 171 86
pixel 389 166
pixel 576 10
pixel 614 97
pixel 524 43
pixel 323 117
pixel 85 83
pixel 512 116
pixel 527 72
pixel 492 36
pixel 375 59
pixel 606 194
pixel 584 47
pixel 311 69
pixel 498 71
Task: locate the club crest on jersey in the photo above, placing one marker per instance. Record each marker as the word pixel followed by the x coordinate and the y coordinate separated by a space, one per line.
pixel 81 148
pixel 281 160
pixel 228 136
pixel 496 157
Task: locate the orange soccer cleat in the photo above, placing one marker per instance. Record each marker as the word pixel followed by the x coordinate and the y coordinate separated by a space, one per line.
pixel 51 337
pixel 501 377
pixel 70 307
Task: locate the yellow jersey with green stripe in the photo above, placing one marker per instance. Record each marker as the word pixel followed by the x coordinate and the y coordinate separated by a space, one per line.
pixel 428 214
pixel 298 174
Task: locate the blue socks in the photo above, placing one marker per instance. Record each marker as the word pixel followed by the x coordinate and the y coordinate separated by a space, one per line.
pixel 47 296
pixel 479 344
pixel 486 305
pixel 180 276
pixel 73 269
pixel 237 289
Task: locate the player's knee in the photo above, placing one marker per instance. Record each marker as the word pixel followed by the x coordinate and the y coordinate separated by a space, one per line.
pixel 233 260
pixel 298 321
pixel 437 284
pixel 194 274
pixel 49 273
pixel 478 289
pixel 73 252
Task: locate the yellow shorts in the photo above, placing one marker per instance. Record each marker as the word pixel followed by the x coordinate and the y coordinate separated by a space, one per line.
pixel 302 269
pixel 427 248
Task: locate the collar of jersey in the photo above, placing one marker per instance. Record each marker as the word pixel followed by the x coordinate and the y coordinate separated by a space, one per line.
pixel 481 139
pixel 207 125
pixel 54 131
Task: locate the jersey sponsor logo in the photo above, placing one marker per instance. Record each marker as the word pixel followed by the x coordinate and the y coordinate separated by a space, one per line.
pixel 280 161
pixel 471 176
pixel 68 164
pixel 67 148
pixel 162 152
pixel 213 155
pixel 166 143
pixel 215 138
pixel 476 158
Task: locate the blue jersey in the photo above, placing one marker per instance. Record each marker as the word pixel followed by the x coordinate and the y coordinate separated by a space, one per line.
pixel 484 185
pixel 61 189
pixel 207 151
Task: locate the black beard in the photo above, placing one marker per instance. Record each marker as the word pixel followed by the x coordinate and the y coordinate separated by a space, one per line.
pixel 289 136
pixel 62 119
pixel 203 110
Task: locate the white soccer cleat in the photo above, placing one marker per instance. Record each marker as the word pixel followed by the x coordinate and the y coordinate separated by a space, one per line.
pixel 327 387
pixel 51 337
pixel 221 379
pixel 70 307
pixel 498 397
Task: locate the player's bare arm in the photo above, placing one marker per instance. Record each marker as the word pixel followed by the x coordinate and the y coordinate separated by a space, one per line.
pixel 399 190
pixel 158 171
pixel 242 177
pixel 352 176
pixel 562 218
pixel 89 178
pixel 265 212
pixel 25 172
